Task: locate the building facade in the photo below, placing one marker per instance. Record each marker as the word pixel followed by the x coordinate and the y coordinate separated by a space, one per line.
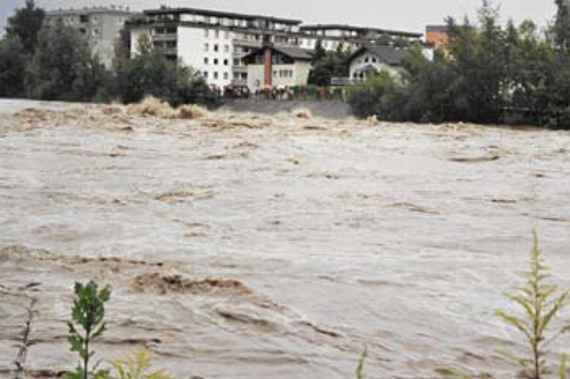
pixel 214 43
pixel 371 60
pixel 333 36
pixel 100 26
pixel 437 36
pixel 277 67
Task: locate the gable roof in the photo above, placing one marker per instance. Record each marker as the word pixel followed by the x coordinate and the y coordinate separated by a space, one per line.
pixel 387 54
pixel 296 53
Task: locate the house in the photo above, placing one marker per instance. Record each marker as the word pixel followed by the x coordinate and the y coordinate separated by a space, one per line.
pixel 99 25
pixel 274 66
pixel 437 36
pixel 372 59
pixel 212 42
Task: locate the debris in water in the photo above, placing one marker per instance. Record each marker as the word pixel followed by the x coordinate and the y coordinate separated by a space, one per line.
pixel 303 113
pixel 163 284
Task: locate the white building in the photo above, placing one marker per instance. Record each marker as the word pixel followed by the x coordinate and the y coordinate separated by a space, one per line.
pixel 99 25
pixel 353 37
pixel 213 42
pixel 371 60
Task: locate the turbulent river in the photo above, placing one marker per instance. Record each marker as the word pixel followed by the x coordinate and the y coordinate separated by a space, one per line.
pixel 243 245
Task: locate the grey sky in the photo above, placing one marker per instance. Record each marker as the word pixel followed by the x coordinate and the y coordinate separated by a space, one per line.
pixel 410 15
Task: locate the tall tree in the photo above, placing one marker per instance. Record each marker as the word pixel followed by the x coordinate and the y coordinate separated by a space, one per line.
pixel 561 29
pixel 12 67
pixel 63 67
pixel 25 24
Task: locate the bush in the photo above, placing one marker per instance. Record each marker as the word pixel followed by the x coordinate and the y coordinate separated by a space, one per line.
pixel 63 68
pixel 149 73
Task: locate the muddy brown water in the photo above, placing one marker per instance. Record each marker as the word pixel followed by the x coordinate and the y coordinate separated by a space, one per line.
pixel 254 246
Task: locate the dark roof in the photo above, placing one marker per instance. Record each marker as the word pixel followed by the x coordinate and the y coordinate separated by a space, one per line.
pixel 387 54
pixel 437 28
pixel 213 13
pixel 292 52
pixel 360 29
pixel 88 11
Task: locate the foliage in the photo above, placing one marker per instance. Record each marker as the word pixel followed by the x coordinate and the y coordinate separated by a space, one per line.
pixel 63 67
pixel 25 25
pixel 541 305
pixel 360 368
pixel 328 64
pixel 149 73
pixel 489 73
pixel 12 67
pixel 137 366
pixel 87 324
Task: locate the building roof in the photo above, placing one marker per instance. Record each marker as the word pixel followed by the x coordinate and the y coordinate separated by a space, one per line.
pixel 437 28
pixel 387 54
pixel 89 10
pixel 296 53
pixel 213 13
pixel 351 28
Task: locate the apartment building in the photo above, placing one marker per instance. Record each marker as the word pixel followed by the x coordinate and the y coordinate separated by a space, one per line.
pixel 99 25
pixel 213 42
pixel 353 37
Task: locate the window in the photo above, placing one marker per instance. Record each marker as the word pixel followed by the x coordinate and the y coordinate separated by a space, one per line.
pixel 236 61
pixel 216 48
pixel 206 74
pixel 373 60
pixel 206 61
pixel 227 48
pixel 171 30
pixel 366 60
pixel 226 62
pixel 226 76
pixel 216 61
pixel 84 18
pixel 216 75
pixel 206 47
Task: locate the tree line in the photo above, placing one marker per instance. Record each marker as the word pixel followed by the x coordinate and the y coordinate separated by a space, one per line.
pixel 51 61
pixel 489 73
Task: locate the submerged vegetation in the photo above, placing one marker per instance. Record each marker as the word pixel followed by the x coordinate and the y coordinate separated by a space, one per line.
pixel 489 73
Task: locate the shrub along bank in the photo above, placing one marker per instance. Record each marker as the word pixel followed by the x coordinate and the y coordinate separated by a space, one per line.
pixel 489 73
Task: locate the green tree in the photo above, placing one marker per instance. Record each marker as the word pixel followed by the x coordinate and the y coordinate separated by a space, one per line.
pixel 149 73
pixel 87 324
pixel 63 67
pixel 561 28
pixel 12 67
pixel 25 24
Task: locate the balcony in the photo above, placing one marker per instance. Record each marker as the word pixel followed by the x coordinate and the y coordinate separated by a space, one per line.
pixel 247 42
pixel 165 37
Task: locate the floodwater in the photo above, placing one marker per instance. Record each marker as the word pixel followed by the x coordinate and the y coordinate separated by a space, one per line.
pixel 255 246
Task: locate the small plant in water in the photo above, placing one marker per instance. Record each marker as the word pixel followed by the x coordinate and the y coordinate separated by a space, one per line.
pixel 360 368
pixel 136 367
pixel 87 324
pixel 541 303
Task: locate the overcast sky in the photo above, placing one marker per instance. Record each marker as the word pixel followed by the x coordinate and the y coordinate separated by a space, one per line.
pixel 410 15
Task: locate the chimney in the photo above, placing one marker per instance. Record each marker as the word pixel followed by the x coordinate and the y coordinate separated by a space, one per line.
pixel 268 62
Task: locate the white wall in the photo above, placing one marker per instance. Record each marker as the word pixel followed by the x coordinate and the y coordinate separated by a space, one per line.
pixel 192 51
pixel 297 75
pixel 135 35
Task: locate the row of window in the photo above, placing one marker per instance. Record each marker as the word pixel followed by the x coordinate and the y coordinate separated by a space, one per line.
pixel 216 75
pixel 216 48
pixel 216 33
pixel 225 62
pixel 283 74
